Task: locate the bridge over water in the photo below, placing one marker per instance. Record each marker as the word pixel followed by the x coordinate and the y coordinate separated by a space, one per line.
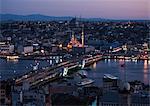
pixel 37 78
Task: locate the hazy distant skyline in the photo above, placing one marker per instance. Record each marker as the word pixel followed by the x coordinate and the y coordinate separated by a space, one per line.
pixel 110 9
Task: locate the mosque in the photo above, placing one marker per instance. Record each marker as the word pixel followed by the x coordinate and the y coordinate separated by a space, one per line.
pixel 74 42
pixel 79 48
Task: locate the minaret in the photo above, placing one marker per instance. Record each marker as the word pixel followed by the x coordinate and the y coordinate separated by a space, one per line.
pixel 82 37
pixel 73 36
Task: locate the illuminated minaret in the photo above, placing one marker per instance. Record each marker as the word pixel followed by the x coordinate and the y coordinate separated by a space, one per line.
pixel 82 37
pixel 73 36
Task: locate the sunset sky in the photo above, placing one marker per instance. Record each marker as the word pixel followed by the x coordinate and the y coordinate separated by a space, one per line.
pixel 110 9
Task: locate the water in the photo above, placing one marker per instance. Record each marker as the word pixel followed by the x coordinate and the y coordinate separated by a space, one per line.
pixel 10 69
pixel 132 70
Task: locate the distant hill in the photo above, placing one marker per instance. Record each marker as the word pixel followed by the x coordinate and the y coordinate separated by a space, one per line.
pixel 39 17
pixel 34 17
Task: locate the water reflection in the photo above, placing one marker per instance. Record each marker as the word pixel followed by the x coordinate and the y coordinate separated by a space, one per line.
pixel 108 60
pixel 94 65
pixel 149 62
pixel 122 69
pixel 121 61
pixel 14 60
pixel 126 71
pixel 130 71
pixel 145 65
pixel 146 71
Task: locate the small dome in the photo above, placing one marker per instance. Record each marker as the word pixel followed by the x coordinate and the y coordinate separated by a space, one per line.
pixel 125 86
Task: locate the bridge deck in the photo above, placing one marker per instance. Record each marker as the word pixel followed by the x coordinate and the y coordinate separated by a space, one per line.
pixel 55 71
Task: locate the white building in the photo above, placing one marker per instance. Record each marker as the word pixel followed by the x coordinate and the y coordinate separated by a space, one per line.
pixel 28 49
pixel 6 48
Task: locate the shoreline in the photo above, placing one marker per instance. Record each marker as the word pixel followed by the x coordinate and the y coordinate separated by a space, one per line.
pixel 86 66
pixel 44 58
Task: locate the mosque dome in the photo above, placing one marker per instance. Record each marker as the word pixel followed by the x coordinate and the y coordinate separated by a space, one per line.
pixel 125 86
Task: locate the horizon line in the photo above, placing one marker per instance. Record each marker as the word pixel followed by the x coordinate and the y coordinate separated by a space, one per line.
pixel 74 16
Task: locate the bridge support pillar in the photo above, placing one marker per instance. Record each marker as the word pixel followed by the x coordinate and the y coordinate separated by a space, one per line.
pixel 83 63
pixel 65 71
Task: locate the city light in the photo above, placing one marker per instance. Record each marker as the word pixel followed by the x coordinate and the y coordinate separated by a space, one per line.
pixel 74 53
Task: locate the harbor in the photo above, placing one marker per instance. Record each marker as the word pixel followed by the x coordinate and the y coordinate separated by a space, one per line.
pixel 23 66
pixel 74 62
pixel 83 80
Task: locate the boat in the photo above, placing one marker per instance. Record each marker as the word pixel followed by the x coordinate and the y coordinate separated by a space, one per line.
pixel 82 74
pixel 109 76
pixel 85 82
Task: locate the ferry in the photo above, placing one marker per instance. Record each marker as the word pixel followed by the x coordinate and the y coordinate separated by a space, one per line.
pixel 109 76
pixel 85 82
pixel 82 73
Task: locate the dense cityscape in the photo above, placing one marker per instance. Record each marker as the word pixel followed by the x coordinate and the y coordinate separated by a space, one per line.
pixel 70 47
pixel 61 37
pixel 74 53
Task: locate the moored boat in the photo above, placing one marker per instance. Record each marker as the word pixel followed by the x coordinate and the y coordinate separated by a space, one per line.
pixel 109 76
pixel 85 82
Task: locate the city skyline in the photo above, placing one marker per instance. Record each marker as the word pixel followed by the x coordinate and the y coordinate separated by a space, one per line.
pixel 74 52
pixel 109 9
